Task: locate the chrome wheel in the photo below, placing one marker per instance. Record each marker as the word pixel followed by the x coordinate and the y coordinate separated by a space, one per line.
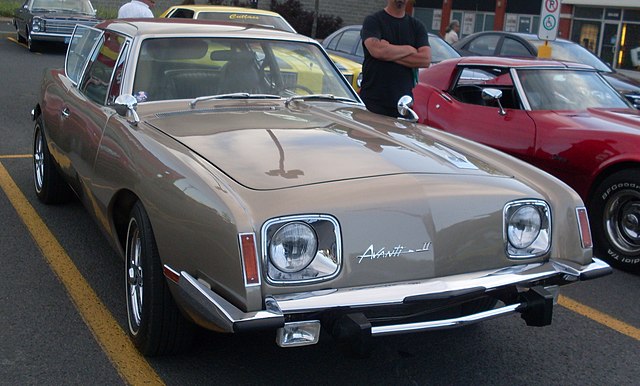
pixel 622 221
pixel 134 276
pixel 156 325
pixel 38 160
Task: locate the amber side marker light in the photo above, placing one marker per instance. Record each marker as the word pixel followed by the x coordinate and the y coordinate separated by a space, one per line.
pixel 249 259
pixel 583 224
pixel 171 274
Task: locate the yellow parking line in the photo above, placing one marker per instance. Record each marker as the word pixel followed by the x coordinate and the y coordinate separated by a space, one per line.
pixel 131 366
pixel 600 317
pixel 12 156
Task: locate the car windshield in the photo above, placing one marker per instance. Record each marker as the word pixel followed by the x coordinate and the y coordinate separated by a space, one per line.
pixel 572 52
pixel 78 6
pixel 441 50
pixel 186 68
pixel 247 18
pixel 568 90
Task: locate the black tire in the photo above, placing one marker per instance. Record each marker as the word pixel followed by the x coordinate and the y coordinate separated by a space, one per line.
pixel 19 37
pixel 48 183
pixel 31 45
pixel 156 325
pixel 615 220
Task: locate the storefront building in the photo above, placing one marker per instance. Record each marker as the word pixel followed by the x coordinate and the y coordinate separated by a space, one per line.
pixel 608 28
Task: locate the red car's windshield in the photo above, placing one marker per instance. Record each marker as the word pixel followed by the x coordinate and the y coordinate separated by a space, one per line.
pixel 568 90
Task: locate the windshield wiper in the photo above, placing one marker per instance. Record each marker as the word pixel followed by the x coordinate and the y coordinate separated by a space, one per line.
pixel 235 95
pixel 326 97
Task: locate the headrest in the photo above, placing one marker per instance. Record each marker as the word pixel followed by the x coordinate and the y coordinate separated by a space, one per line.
pixel 175 48
pixel 230 55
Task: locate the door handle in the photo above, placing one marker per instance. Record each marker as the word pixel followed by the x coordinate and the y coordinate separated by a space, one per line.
pixel 65 112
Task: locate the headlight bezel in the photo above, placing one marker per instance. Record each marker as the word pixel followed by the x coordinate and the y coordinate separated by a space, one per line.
pixel 325 265
pixel 541 243
pixel 38 24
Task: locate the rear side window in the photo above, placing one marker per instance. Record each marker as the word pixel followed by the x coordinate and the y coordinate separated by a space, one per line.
pixel 348 41
pixel 97 78
pixel 79 52
pixel 512 47
pixel 182 13
pixel 484 45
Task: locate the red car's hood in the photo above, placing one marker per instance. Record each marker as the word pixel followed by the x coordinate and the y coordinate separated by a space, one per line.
pixel 611 120
pixel 273 147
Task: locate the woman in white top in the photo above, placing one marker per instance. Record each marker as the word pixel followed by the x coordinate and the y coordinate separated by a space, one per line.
pixel 451 33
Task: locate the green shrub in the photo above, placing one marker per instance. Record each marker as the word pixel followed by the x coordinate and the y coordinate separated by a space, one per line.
pixel 106 13
pixel 7 8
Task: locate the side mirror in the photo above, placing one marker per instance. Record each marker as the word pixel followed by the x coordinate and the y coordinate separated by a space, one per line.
pixel 492 94
pixel 126 104
pixel 404 109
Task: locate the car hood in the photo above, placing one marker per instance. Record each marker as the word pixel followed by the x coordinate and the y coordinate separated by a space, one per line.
pixel 611 120
pixel 622 83
pixel 271 146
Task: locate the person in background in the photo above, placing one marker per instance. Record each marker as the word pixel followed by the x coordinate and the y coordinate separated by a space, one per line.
pixel 395 46
pixel 451 33
pixel 136 9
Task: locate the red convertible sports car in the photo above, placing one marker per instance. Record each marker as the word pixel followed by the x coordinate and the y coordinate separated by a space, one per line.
pixel 564 118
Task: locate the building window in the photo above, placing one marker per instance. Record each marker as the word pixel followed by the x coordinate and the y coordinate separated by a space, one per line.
pixel 588 12
pixel 586 34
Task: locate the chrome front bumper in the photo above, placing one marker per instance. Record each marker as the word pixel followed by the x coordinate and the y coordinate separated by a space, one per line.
pixel 212 311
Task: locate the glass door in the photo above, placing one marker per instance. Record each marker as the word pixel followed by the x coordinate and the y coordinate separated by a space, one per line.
pixel 610 41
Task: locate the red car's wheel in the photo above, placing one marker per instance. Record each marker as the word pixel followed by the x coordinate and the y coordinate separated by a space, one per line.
pixel 615 219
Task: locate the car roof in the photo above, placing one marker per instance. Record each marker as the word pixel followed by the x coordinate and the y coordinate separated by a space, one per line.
pixel 525 36
pixel 518 62
pixel 359 26
pixel 441 75
pixel 189 27
pixel 222 8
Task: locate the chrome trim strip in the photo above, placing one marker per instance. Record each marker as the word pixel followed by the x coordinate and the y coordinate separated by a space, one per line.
pixel 225 316
pixel 214 308
pixel 446 323
pixel 395 293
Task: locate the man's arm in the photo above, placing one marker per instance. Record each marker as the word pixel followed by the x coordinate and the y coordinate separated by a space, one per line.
pixel 421 59
pixel 383 50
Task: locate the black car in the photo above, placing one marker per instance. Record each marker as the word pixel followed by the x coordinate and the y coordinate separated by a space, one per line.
pixel 39 21
pixel 498 43
pixel 346 42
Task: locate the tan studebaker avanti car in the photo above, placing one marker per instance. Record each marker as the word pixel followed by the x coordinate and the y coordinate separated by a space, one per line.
pixel 245 193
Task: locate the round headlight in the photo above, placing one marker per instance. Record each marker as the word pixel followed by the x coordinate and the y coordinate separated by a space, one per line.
pixel 524 226
pixel 293 247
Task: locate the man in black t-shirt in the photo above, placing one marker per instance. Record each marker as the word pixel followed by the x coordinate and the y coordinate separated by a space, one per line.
pixel 395 46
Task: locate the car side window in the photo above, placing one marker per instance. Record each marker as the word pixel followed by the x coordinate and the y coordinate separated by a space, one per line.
pixel 348 41
pixel 512 47
pixel 473 80
pixel 80 48
pixel 331 45
pixel 97 78
pixel 484 45
pixel 182 13
pixel 360 49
